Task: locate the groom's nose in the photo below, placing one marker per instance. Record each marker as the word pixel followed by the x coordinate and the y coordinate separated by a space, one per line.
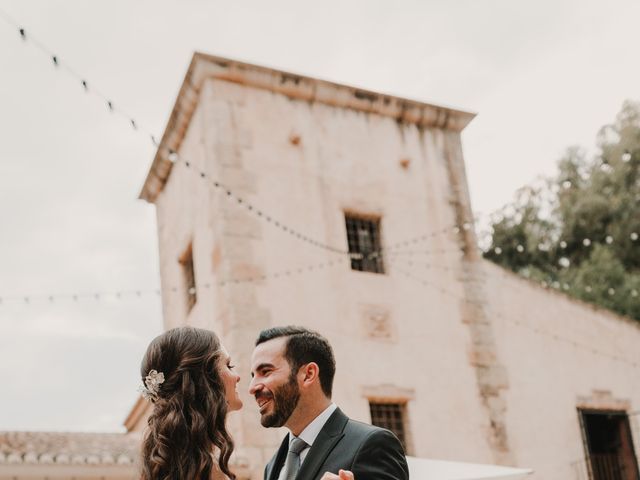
pixel 253 386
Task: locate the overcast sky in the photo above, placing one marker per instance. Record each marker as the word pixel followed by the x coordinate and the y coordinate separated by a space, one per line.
pixel 541 74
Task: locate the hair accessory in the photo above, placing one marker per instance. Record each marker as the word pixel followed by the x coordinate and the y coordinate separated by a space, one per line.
pixel 152 385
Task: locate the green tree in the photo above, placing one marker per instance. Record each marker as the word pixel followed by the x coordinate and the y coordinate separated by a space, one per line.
pixel 580 231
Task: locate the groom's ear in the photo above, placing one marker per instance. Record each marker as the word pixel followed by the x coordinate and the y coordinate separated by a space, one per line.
pixel 309 373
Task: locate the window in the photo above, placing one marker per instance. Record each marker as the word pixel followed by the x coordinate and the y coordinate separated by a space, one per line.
pixel 363 236
pixel 186 261
pixel 391 416
pixel 608 445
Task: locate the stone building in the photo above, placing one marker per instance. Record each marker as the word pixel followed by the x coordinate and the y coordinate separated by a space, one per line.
pixel 283 199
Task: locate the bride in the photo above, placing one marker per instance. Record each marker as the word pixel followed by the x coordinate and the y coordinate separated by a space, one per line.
pixel 188 377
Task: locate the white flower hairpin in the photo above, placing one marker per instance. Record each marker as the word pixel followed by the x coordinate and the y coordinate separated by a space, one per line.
pixel 152 384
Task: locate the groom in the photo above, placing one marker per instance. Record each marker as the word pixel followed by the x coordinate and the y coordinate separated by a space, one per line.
pixel 292 371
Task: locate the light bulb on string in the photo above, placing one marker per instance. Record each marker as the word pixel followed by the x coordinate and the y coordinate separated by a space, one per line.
pixel 606 168
pixel 466 226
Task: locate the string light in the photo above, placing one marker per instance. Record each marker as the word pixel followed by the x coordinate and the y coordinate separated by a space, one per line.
pixel 549 283
pixel 58 62
pixel 175 158
pixel 520 323
pixel 455 229
pixel 139 293
pixel 586 242
pixel 425 265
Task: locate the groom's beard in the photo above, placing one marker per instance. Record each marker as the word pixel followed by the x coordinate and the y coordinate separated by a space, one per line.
pixel 285 401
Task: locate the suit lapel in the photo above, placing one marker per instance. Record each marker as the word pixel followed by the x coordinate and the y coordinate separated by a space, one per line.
pixel 273 469
pixel 325 442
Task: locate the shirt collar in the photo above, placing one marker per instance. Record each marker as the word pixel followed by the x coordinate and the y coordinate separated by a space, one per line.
pixel 310 433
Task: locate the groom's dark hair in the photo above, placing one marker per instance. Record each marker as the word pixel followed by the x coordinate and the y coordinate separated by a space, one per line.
pixel 305 346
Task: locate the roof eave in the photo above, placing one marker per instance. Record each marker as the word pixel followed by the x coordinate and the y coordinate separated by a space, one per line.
pixel 204 66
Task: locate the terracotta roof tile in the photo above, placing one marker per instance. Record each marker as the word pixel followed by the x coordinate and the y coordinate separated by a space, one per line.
pixel 68 448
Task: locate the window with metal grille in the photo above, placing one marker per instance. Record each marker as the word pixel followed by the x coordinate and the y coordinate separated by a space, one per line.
pixel 391 416
pixel 363 236
pixel 608 445
pixel 186 261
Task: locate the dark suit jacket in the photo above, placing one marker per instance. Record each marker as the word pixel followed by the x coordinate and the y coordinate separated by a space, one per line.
pixel 371 453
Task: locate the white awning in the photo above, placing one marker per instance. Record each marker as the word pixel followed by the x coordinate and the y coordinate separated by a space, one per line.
pixel 425 469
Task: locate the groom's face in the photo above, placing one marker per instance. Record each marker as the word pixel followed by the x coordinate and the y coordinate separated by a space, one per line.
pixel 273 385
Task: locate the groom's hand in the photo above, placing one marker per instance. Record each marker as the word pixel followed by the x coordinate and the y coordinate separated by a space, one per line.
pixel 342 475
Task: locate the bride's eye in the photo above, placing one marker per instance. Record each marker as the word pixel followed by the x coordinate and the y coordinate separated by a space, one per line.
pixel 230 367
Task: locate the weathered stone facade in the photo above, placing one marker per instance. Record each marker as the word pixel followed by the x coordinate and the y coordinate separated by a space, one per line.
pixel 265 158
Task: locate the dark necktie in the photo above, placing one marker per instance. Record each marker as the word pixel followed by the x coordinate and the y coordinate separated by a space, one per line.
pixel 292 463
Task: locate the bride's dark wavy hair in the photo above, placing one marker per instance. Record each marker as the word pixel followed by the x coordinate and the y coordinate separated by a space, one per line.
pixel 187 424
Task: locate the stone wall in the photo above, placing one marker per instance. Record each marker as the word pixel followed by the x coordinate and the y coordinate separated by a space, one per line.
pixel 561 355
pixel 305 164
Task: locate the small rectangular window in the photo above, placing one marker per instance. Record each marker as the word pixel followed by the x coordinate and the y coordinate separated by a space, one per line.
pixel 188 273
pixel 391 416
pixel 365 248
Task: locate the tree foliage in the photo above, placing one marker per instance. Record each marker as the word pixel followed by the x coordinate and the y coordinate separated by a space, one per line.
pixel 580 231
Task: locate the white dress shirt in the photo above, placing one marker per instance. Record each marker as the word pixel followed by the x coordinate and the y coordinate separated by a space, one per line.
pixel 311 431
